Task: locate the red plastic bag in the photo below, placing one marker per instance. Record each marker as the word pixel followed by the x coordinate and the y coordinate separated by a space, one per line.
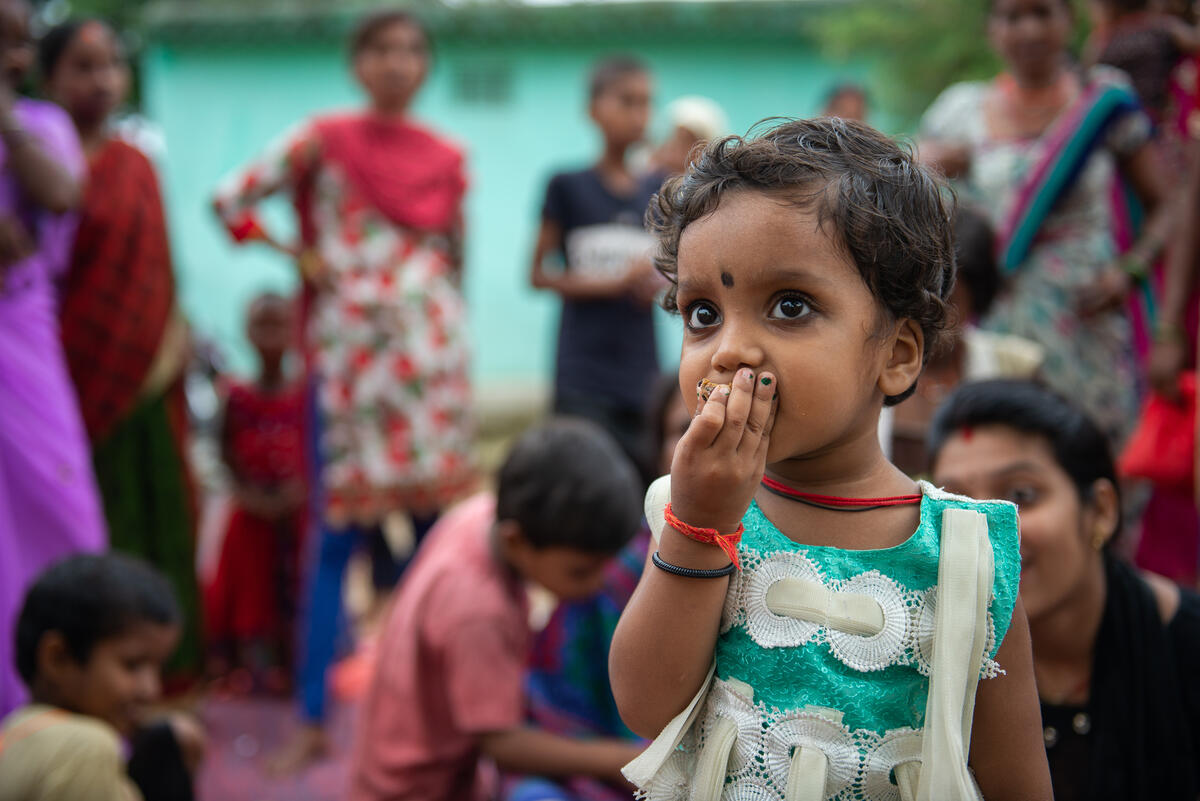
pixel 1162 448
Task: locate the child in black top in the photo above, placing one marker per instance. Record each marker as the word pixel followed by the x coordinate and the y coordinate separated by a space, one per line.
pixel 592 221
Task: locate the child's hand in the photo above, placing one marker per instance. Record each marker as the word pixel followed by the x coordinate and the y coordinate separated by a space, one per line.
pixel 720 460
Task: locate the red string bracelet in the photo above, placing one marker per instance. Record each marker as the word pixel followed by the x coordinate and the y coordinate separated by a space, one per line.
pixel 708 536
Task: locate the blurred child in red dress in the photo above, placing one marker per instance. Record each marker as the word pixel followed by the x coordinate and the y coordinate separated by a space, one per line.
pixel 251 599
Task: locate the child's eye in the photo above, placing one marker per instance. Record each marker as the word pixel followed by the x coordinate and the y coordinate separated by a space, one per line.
pixel 790 307
pixel 702 315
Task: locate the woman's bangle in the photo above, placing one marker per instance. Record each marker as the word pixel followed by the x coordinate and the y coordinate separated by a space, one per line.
pixel 688 572
pixel 708 536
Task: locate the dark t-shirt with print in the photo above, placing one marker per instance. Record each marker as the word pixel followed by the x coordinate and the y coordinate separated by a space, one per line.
pixel 605 347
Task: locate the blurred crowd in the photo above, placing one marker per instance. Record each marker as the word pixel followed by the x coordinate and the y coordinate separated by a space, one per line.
pixel 1067 387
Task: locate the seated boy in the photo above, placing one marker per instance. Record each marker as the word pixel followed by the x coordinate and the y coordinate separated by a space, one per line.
pixel 91 641
pixel 448 690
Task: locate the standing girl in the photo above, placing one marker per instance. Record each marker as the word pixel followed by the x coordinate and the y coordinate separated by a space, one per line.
pixel 848 614
pixel 125 340
pixel 49 507
pixel 262 444
pixel 379 202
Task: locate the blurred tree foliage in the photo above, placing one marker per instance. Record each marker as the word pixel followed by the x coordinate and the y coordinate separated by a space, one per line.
pixel 918 47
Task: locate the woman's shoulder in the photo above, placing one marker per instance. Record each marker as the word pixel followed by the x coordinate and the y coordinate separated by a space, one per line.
pixel 125 156
pixel 954 112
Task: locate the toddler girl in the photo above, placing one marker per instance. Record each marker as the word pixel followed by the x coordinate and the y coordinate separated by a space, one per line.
pixel 828 619
pixel 250 602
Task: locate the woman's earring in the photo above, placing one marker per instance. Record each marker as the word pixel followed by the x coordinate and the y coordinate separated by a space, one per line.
pixel 1100 537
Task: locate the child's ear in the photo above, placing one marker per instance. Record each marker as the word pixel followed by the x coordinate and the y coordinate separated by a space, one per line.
pixel 54 658
pixel 1104 510
pixel 510 539
pixel 905 359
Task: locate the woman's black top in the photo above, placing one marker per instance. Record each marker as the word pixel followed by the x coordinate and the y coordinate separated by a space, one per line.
pixel 1138 735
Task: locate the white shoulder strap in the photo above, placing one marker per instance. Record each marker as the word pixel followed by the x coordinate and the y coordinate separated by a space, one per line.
pixel 657 498
pixel 965 574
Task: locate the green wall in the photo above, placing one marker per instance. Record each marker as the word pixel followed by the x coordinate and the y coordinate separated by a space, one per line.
pixel 219 106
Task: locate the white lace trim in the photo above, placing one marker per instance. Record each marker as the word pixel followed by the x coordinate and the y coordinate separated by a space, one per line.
pixel 860 761
pixel 908 615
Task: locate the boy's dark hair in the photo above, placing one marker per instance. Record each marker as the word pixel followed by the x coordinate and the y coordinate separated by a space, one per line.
pixel 889 214
pixel 847 89
pixel 372 24
pixel 566 483
pixel 608 71
pixel 974 250
pixel 1080 447
pixel 89 598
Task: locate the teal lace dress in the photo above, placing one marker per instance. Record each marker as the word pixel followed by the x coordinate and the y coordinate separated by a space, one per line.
pixel 787 682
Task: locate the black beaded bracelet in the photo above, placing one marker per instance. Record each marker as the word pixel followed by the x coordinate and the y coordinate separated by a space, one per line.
pixel 688 572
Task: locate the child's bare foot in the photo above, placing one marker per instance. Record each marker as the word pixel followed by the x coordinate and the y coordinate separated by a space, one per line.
pixel 307 744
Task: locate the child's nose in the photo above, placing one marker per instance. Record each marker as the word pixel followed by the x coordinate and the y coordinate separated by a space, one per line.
pixel 736 348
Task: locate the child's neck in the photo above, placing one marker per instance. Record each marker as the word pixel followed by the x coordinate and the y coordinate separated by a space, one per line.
pixel 855 469
pixel 389 111
pixel 271 378
pixel 613 169
pixel 43 695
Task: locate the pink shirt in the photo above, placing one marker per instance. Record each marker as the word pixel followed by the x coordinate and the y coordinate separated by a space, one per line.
pixel 451 667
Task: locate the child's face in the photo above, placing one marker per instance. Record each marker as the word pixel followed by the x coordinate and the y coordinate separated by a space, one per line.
pixel 760 286
pixel 848 106
pixel 269 329
pixel 569 573
pixel 622 111
pixel 91 78
pixel 1057 527
pixel 120 678
pixel 392 66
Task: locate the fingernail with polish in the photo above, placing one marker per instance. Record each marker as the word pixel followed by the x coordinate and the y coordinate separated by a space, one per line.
pixel 766 381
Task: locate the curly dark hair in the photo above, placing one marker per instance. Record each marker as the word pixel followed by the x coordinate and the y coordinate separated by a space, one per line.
pixel 889 214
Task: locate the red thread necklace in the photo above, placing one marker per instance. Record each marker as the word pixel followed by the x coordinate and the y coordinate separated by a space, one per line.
pixel 837 503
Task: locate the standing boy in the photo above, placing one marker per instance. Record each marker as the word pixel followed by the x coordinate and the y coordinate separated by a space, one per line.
pixel 448 689
pixel 592 222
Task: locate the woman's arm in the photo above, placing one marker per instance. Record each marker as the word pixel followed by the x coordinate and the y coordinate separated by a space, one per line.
pixel 1169 354
pixel 664 642
pixel 1008 756
pixel 280 167
pixel 1112 287
pixel 43 179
